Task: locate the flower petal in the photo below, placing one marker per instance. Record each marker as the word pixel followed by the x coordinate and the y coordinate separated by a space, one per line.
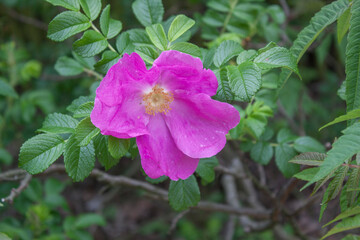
pixel 159 154
pixel 129 72
pixel 182 71
pixel 198 124
pixel 125 120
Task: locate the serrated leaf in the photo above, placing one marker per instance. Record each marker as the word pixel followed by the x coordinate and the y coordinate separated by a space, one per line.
pixel 6 89
pixel 179 26
pixel 326 16
pixel 348 213
pixel 118 147
pixel 109 27
pixel 84 110
pixel 244 80
pixel 67 24
pixel 343 149
pixel 157 36
pixel 59 123
pixel 69 4
pixel 337 182
pixel 91 8
pixel 343 24
pixel 348 116
pixel 345 225
pixel 148 54
pixel 283 154
pixel 307 174
pixel 309 159
pixel 246 56
pixel 108 59
pixel 324 204
pixel 224 92
pixel 90 44
pixel 79 161
pixel 352 66
pixel 285 136
pixel 87 62
pixel 78 102
pixel 148 12
pixel 322 181
pixel 205 168
pixel 262 152
pixel 184 193
pixel 102 153
pixel 66 66
pixel 139 38
pixel 352 185
pixel 256 125
pixel 277 57
pixel 308 144
pixel 85 132
pixel 227 50
pixel 124 44
pixel 39 152
pixel 188 48
pixel 89 219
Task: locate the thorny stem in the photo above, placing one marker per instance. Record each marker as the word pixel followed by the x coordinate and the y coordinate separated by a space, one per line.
pixel 228 16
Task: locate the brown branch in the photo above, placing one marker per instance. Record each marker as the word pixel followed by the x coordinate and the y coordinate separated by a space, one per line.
pixel 16 191
pixel 175 221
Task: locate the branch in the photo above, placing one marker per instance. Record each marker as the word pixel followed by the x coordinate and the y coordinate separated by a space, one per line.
pixel 25 19
pixel 16 191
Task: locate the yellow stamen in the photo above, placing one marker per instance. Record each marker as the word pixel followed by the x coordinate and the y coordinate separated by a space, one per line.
pixel 157 101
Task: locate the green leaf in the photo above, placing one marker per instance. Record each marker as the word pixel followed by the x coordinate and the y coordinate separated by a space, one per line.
pixel 219 6
pixel 308 144
pixel 244 80
pixel 148 54
pixel 309 159
pixel 78 102
pixel 262 152
pixel 343 24
pixel 323 204
pixel 39 152
pixel 184 193
pixel 157 36
pixel 227 50
pixel 188 48
pixel 124 44
pixel 85 132
pixel 224 92
pixel 67 24
pixel 245 56
pixel 285 136
pixel 84 110
pixel 156 180
pixel 59 123
pixel 205 168
pixel 352 61
pixel 6 89
pixel 307 174
pixel 91 8
pixel 69 4
pixel 326 16
pixel 345 225
pixel 352 185
pixel 348 213
pixel 256 125
pixel 336 184
pixel 118 147
pixel 348 116
pixel 283 154
pixel 66 66
pixel 148 12
pixel 277 57
pixel 102 153
pixel 90 44
pixel 89 219
pixel 276 13
pixel 109 27
pixel 108 59
pixel 79 161
pixel 139 38
pixel 179 26
pixel 343 149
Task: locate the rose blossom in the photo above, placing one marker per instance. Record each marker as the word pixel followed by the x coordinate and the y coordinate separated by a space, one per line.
pixel 169 110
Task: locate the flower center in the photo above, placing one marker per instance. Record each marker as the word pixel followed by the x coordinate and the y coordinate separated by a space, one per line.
pixel 157 101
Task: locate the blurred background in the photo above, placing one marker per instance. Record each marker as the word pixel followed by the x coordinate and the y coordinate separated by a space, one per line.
pixel 55 208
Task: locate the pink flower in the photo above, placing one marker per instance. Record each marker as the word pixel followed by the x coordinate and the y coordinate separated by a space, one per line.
pixel 169 110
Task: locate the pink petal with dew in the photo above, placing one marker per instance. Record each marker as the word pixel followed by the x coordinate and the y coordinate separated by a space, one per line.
pixel 182 71
pixel 198 124
pixel 159 154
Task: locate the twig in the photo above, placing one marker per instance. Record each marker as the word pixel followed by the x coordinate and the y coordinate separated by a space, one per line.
pixel 25 19
pixel 16 191
pixel 225 170
pixel 175 221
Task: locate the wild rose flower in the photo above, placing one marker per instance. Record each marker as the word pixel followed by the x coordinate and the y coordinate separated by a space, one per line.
pixel 169 110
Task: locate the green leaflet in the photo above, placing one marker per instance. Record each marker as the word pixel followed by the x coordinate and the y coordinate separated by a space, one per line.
pixel 102 153
pixel 118 147
pixel 84 110
pixel 184 193
pixel 109 27
pixel 346 224
pixel 91 8
pixel 69 4
pixel 348 116
pixel 262 152
pixel 59 123
pixel 179 26
pixel 108 58
pixel 39 152
pixel 343 24
pixel 326 16
pixel 309 159
pixel 148 12
pixel 67 24
pixel 157 36
pixel 352 61
pixel 90 44
pixel 283 154
pixel 188 48
pixel 224 92
pixel 66 66
pixel 227 50
pixel 308 144
pixel 205 168
pixel 85 131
